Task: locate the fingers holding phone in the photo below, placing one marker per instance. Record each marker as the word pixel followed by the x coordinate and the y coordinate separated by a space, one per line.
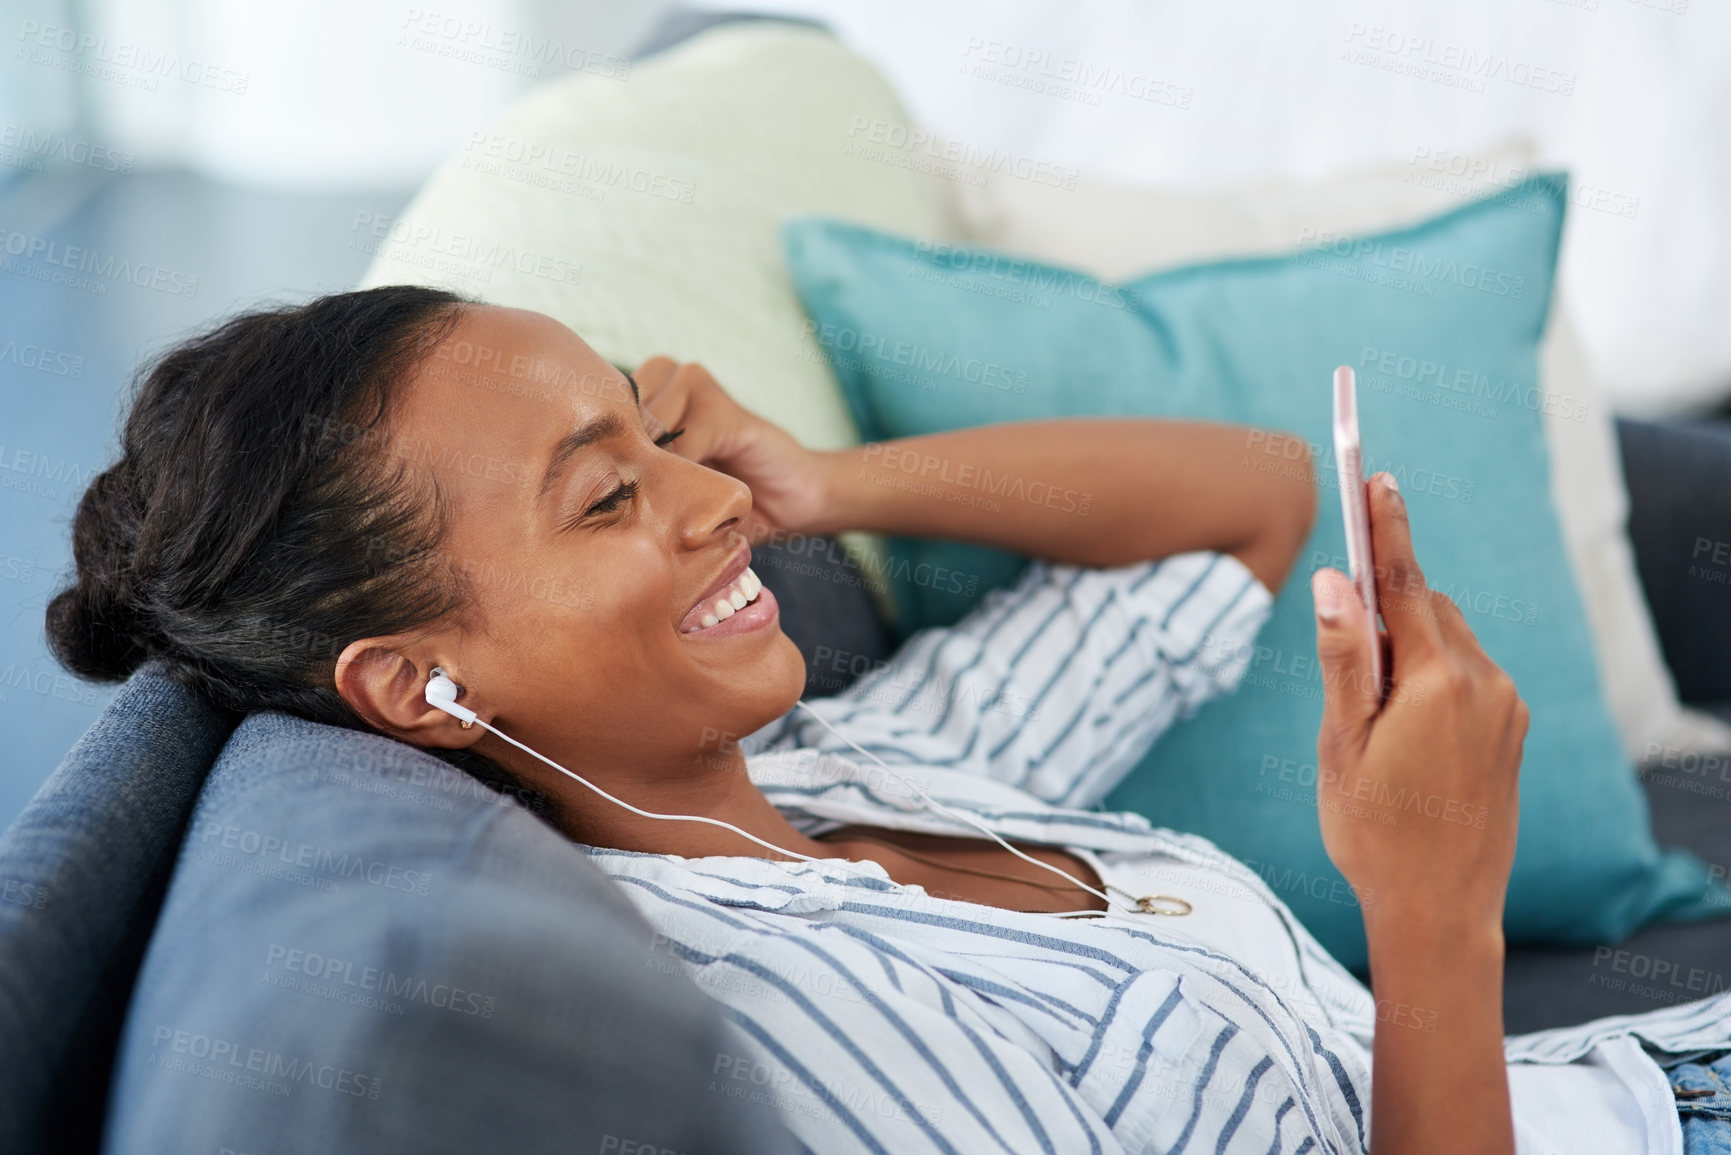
pixel 1418 793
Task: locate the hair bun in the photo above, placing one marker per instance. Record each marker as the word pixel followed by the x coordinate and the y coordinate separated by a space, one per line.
pixel 97 626
pixel 236 541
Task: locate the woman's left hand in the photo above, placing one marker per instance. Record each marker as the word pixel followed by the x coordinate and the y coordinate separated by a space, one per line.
pixel 789 484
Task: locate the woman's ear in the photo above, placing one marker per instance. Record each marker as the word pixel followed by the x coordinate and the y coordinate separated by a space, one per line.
pixel 388 689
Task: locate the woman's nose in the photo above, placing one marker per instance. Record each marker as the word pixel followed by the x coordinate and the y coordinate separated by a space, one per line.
pixel 718 503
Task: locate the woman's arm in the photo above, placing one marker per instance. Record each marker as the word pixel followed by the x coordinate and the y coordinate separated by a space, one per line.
pixel 1086 492
pixel 1083 492
pixel 1438 1080
pixel 1431 876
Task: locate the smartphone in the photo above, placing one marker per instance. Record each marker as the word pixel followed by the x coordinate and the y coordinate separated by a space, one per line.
pixel 1355 506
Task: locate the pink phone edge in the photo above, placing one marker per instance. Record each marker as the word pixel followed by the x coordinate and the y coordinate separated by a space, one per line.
pixel 1354 504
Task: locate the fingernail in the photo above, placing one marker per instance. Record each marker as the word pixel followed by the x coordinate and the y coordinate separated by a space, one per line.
pixel 1326 592
pixel 1393 485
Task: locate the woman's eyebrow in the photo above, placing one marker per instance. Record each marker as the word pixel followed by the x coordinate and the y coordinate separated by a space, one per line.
pixel 579 438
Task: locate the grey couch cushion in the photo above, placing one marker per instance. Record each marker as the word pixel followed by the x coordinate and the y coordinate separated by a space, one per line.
pixel 364 950
pixel 1679 477
pixel 1659 965
pixel 82 875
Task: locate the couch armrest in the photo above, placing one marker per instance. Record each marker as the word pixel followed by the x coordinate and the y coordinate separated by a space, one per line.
pixel 1679 479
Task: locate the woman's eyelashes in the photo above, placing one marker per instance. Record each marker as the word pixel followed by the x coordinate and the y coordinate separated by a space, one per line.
pixel 622 493
pixel 625 490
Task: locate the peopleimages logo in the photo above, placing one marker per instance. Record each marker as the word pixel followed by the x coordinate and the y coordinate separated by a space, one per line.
pixel 1408 261
pixel 43 472
pixel 1066 77
pixel 505 49
pixel 400 240
pixel 928 363
pixel 41 359
pixel 137 65
pixel 382 981
pixel 1016 271
pixel 502 155
pixel 1451 64
pixel 246 844
pixel 1467 383
pixel 874 139
pixel 258 1068
pixel 52 257
pixel 26 147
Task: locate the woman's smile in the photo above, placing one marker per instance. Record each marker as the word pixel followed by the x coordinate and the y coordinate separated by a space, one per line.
pixel 736 602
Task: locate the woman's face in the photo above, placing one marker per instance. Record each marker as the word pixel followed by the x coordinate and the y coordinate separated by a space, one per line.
pixel 590 553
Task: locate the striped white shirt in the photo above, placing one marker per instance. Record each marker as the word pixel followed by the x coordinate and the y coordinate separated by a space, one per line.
pixel 880 1018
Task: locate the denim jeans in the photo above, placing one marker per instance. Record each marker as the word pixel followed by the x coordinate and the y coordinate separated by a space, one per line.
pixel 1702 1087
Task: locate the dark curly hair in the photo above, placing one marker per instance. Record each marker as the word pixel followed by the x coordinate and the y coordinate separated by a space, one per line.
pixel 253 527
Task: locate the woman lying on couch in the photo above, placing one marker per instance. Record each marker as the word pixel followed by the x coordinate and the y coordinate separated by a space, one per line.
pixel 318 507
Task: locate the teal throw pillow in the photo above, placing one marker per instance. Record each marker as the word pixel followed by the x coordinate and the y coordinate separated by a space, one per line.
pixel 1442 322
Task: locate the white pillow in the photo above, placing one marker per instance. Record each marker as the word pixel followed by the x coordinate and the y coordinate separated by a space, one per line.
pixel 1116 233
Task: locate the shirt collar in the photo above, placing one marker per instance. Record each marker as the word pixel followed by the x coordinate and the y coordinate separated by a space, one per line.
pixel 826 785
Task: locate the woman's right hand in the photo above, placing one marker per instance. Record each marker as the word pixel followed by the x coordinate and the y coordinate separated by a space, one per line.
pixel 789 484
pixel 1418 795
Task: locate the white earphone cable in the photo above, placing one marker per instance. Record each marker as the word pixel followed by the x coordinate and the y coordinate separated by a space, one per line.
pixel 648 813
pixel 448 700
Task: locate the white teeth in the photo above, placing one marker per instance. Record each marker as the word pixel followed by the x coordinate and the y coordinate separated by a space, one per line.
pixel 744 591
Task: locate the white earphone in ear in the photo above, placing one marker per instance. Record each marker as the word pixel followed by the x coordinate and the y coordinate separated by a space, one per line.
pixel 442 695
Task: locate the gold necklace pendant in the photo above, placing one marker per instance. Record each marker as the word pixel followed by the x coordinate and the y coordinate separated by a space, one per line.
pixel 1159 904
